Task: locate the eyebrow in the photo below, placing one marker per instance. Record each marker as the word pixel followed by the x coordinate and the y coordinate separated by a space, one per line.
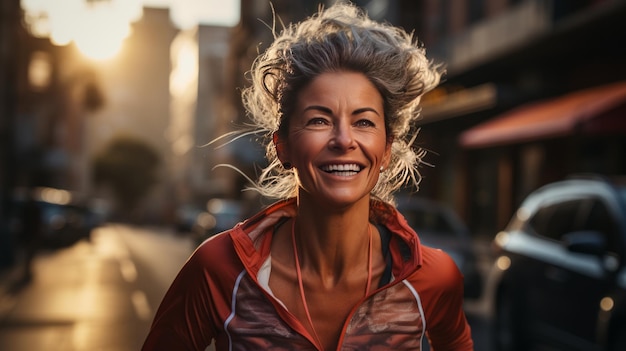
pixel 318 108
pixel 329 111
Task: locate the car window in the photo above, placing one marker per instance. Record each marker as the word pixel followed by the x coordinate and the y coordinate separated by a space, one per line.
pixel 598 218
pixel 556 219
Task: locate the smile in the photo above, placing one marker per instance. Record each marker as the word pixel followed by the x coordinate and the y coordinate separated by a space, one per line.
pixel 343 170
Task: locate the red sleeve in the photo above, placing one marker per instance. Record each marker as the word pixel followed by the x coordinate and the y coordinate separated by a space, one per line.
pixel 441 286
pixel 186 318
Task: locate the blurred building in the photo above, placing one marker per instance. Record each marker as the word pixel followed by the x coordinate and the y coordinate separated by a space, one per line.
pixel 66 107
pixel 137 87
pixel 46 94
pixel 54 92
pixel 200 112
pixel 10 15
pixel 515 110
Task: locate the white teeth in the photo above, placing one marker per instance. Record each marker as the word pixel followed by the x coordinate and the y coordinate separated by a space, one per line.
pixel 353 167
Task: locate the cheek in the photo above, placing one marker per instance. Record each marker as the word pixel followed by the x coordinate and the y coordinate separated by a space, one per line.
pixel 380 147
pixel 304 146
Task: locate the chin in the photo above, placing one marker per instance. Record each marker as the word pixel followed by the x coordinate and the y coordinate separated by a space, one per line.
pixel 339 200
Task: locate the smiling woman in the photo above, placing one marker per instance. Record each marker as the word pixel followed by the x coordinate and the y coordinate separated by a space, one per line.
pixel 331 264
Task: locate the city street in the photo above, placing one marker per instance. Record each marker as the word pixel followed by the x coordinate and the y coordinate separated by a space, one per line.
pixel 102 295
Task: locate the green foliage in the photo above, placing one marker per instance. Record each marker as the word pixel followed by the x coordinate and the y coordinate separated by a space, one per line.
pixel 129 167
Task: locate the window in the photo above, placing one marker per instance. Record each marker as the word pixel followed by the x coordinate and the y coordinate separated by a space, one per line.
pixel 598 218
pixel 557 219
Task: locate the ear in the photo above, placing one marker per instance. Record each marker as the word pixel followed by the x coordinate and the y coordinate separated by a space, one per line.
pixel 279 144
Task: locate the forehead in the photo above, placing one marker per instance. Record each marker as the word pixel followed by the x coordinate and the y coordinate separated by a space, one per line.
pixel 341 89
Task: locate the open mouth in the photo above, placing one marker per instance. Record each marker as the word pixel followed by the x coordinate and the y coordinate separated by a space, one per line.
pixel 342 170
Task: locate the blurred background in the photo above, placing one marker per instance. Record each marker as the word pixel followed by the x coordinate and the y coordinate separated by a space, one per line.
pixel 107 108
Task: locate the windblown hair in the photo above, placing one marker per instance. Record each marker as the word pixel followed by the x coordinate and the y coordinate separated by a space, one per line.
pixel 341 37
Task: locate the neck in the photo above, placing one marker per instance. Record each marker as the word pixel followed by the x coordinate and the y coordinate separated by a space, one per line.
pixel 332 244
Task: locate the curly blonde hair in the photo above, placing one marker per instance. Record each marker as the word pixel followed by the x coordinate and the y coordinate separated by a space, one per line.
pixel 341 37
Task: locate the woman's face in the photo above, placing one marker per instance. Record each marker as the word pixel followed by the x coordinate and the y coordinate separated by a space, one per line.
pixel 336 139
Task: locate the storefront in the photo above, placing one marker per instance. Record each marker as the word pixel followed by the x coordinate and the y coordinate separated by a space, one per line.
pixel 512 154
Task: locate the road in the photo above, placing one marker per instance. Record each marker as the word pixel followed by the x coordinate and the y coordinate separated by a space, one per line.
pixel 98 295
pixel 102 294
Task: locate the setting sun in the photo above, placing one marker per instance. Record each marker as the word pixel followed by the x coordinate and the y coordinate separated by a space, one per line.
pixel 103 50
pixel 98 28
pixel 103 36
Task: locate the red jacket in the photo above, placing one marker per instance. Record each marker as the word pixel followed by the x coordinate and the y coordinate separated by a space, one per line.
pixel 218 297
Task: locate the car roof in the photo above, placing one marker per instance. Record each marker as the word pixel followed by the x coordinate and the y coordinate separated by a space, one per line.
pixel 576 187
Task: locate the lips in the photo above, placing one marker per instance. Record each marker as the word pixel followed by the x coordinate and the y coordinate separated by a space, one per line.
pixel 344 170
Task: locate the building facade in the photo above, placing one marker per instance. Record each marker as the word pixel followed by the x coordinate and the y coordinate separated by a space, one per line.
pixel 533 94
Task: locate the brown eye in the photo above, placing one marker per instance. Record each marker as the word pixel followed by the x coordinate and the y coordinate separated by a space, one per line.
pixel 317 122
pixel 364 123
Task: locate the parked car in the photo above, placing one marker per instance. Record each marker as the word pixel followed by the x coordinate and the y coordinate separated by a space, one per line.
pixel 186 216
pixel 64 218
pixel 440 227
pixel 559 277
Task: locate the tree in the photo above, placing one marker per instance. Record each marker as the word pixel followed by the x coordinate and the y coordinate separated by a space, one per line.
pixel 128 166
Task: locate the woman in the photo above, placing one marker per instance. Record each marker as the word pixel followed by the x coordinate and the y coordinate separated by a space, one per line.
pixel 333 265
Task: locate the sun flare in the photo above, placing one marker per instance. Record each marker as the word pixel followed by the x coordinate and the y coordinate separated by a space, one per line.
pixel 98 28
pixel 103 38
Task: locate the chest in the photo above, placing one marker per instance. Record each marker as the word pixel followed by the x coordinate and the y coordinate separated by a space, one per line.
pixel 323 312
pixel 389 319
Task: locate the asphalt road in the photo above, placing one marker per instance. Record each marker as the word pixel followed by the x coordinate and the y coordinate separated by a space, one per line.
pixel 98 295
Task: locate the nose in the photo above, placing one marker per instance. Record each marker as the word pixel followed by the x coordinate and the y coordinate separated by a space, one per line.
pixel 342 137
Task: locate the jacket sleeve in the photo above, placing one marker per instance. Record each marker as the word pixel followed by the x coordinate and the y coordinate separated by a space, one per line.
pixel 447 326
pixel 185 317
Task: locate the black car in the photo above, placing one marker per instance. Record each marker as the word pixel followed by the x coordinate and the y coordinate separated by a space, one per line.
pixel 64 220
pixel 559 277
pixel 440 227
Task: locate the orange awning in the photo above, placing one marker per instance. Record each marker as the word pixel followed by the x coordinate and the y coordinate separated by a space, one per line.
pixel 591 111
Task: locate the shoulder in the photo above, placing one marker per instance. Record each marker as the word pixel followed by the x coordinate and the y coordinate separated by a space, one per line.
pixel 214 251
pixel 438 271
pixel 214 260
pixel 437 259
pixel 215 244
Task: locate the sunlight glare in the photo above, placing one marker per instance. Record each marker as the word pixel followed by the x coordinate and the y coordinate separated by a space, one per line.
pixel 62 25
pixel 184 65
pixel 98 28
pixel 187 13
pixel 104 35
